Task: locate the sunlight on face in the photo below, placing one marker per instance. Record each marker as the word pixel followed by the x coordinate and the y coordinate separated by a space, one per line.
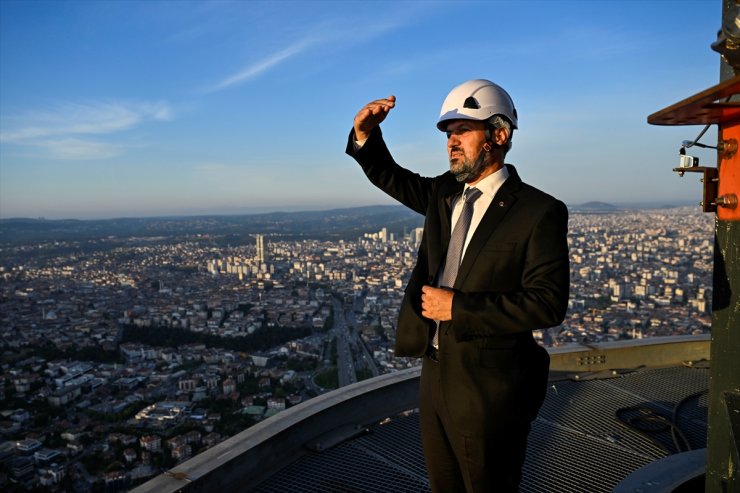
pixel 465 139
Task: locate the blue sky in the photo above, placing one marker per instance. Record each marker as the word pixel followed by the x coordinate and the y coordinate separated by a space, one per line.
pixel 146 108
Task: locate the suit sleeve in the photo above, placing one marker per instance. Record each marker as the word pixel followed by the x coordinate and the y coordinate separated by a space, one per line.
pixel 410 189
pixel 541 299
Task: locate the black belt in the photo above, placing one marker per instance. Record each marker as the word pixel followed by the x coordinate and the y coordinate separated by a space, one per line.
pixel 432 353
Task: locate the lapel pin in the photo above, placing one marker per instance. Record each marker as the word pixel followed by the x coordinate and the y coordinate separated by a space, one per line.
pixel 501 204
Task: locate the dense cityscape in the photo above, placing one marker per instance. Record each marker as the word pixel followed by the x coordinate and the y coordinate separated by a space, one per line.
pixel 125 355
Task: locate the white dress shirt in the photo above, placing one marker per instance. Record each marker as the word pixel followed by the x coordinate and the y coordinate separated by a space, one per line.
pixel 488 187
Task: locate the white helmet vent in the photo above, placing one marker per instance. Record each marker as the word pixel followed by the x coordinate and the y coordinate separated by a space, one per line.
pixel 471 103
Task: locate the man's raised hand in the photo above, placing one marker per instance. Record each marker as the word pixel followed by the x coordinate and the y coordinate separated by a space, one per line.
pixel 371 115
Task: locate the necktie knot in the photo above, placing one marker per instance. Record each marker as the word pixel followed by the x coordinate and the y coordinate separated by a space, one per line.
pixel 471 195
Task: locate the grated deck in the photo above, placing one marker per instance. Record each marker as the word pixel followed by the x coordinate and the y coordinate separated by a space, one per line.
pixel 578 442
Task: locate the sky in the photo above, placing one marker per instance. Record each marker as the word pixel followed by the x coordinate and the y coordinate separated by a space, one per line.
pixel 171 107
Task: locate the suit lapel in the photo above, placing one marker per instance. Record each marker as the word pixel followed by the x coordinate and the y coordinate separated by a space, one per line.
pixel 501 204
pixel 449 190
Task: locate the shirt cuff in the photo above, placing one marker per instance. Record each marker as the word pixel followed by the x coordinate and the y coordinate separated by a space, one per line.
pixel 357 144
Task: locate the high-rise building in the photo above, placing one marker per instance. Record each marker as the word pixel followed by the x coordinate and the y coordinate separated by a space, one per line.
pixel 418 233
pixel 261 256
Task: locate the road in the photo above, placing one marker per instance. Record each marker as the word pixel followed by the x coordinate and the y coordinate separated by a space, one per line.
pixel 345 357
pixel 352 354
pixel 365 359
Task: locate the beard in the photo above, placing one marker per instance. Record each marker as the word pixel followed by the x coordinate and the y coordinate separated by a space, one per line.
pixel 468 169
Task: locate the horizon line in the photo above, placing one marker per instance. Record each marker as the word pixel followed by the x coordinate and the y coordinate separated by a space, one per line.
pixel 633 205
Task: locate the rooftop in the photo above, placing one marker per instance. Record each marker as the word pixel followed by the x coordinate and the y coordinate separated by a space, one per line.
pixel 610 410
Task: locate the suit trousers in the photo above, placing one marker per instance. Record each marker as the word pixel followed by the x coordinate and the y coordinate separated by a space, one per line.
pixel 457 463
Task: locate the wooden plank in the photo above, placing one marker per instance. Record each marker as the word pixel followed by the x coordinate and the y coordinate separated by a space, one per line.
pixel 702 108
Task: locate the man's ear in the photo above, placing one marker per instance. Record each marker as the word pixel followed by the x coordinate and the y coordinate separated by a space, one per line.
pixel 501 136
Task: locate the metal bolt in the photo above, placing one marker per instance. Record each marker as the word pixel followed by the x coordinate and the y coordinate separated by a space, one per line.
pixel 727 148
pixel 728 201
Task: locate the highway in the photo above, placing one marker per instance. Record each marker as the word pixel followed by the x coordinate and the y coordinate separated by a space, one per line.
pixel 345 339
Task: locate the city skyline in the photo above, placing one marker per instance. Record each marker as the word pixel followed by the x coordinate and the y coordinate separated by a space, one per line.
pixel 143 350
pixel 130 109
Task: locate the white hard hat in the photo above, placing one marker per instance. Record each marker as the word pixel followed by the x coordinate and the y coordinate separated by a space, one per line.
pixel 477 99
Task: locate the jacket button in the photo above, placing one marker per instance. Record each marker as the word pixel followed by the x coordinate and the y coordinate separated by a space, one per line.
pixel 501 204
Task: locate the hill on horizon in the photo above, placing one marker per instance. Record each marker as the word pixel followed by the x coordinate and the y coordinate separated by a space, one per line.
pixel 345 223
pixel 340 223
pixel 595 206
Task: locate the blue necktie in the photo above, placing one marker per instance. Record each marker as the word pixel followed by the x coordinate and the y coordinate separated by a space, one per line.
pixel 455 249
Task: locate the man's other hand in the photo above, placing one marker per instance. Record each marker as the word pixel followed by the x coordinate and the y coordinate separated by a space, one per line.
pixel 436 303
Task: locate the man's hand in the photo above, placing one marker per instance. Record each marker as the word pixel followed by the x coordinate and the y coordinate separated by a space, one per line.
pixel 436 303
pixel 371 115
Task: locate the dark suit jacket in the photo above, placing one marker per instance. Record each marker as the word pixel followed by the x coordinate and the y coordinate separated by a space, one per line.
pixel 514 278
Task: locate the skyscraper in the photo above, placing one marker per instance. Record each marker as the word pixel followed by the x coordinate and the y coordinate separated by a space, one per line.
pixel 260 249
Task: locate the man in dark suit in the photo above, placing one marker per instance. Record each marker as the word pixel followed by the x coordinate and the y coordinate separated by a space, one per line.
pixel 491 268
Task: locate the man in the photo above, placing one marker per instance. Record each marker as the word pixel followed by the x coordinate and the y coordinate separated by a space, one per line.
pixel 492 267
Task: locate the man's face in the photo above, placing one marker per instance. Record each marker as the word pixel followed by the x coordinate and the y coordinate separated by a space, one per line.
pixel 465 140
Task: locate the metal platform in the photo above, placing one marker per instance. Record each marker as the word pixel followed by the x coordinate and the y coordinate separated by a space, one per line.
pixel 590 434
pixel 610 410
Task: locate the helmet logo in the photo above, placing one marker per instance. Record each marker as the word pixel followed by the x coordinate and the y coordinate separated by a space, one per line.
pixel 471 103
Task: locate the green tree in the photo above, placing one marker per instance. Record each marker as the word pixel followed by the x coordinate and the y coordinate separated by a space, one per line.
pixel 328 378
pixel 363 374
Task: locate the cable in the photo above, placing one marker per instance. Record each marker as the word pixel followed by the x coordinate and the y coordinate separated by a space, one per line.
pixel 675 429
pixel 695 142
pixel 703 146
pixel 649 422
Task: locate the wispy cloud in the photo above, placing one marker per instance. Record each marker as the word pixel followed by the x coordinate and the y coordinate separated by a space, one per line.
pixel 338 34
pixel 66 131
pixel 263 65
pixel 78 149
